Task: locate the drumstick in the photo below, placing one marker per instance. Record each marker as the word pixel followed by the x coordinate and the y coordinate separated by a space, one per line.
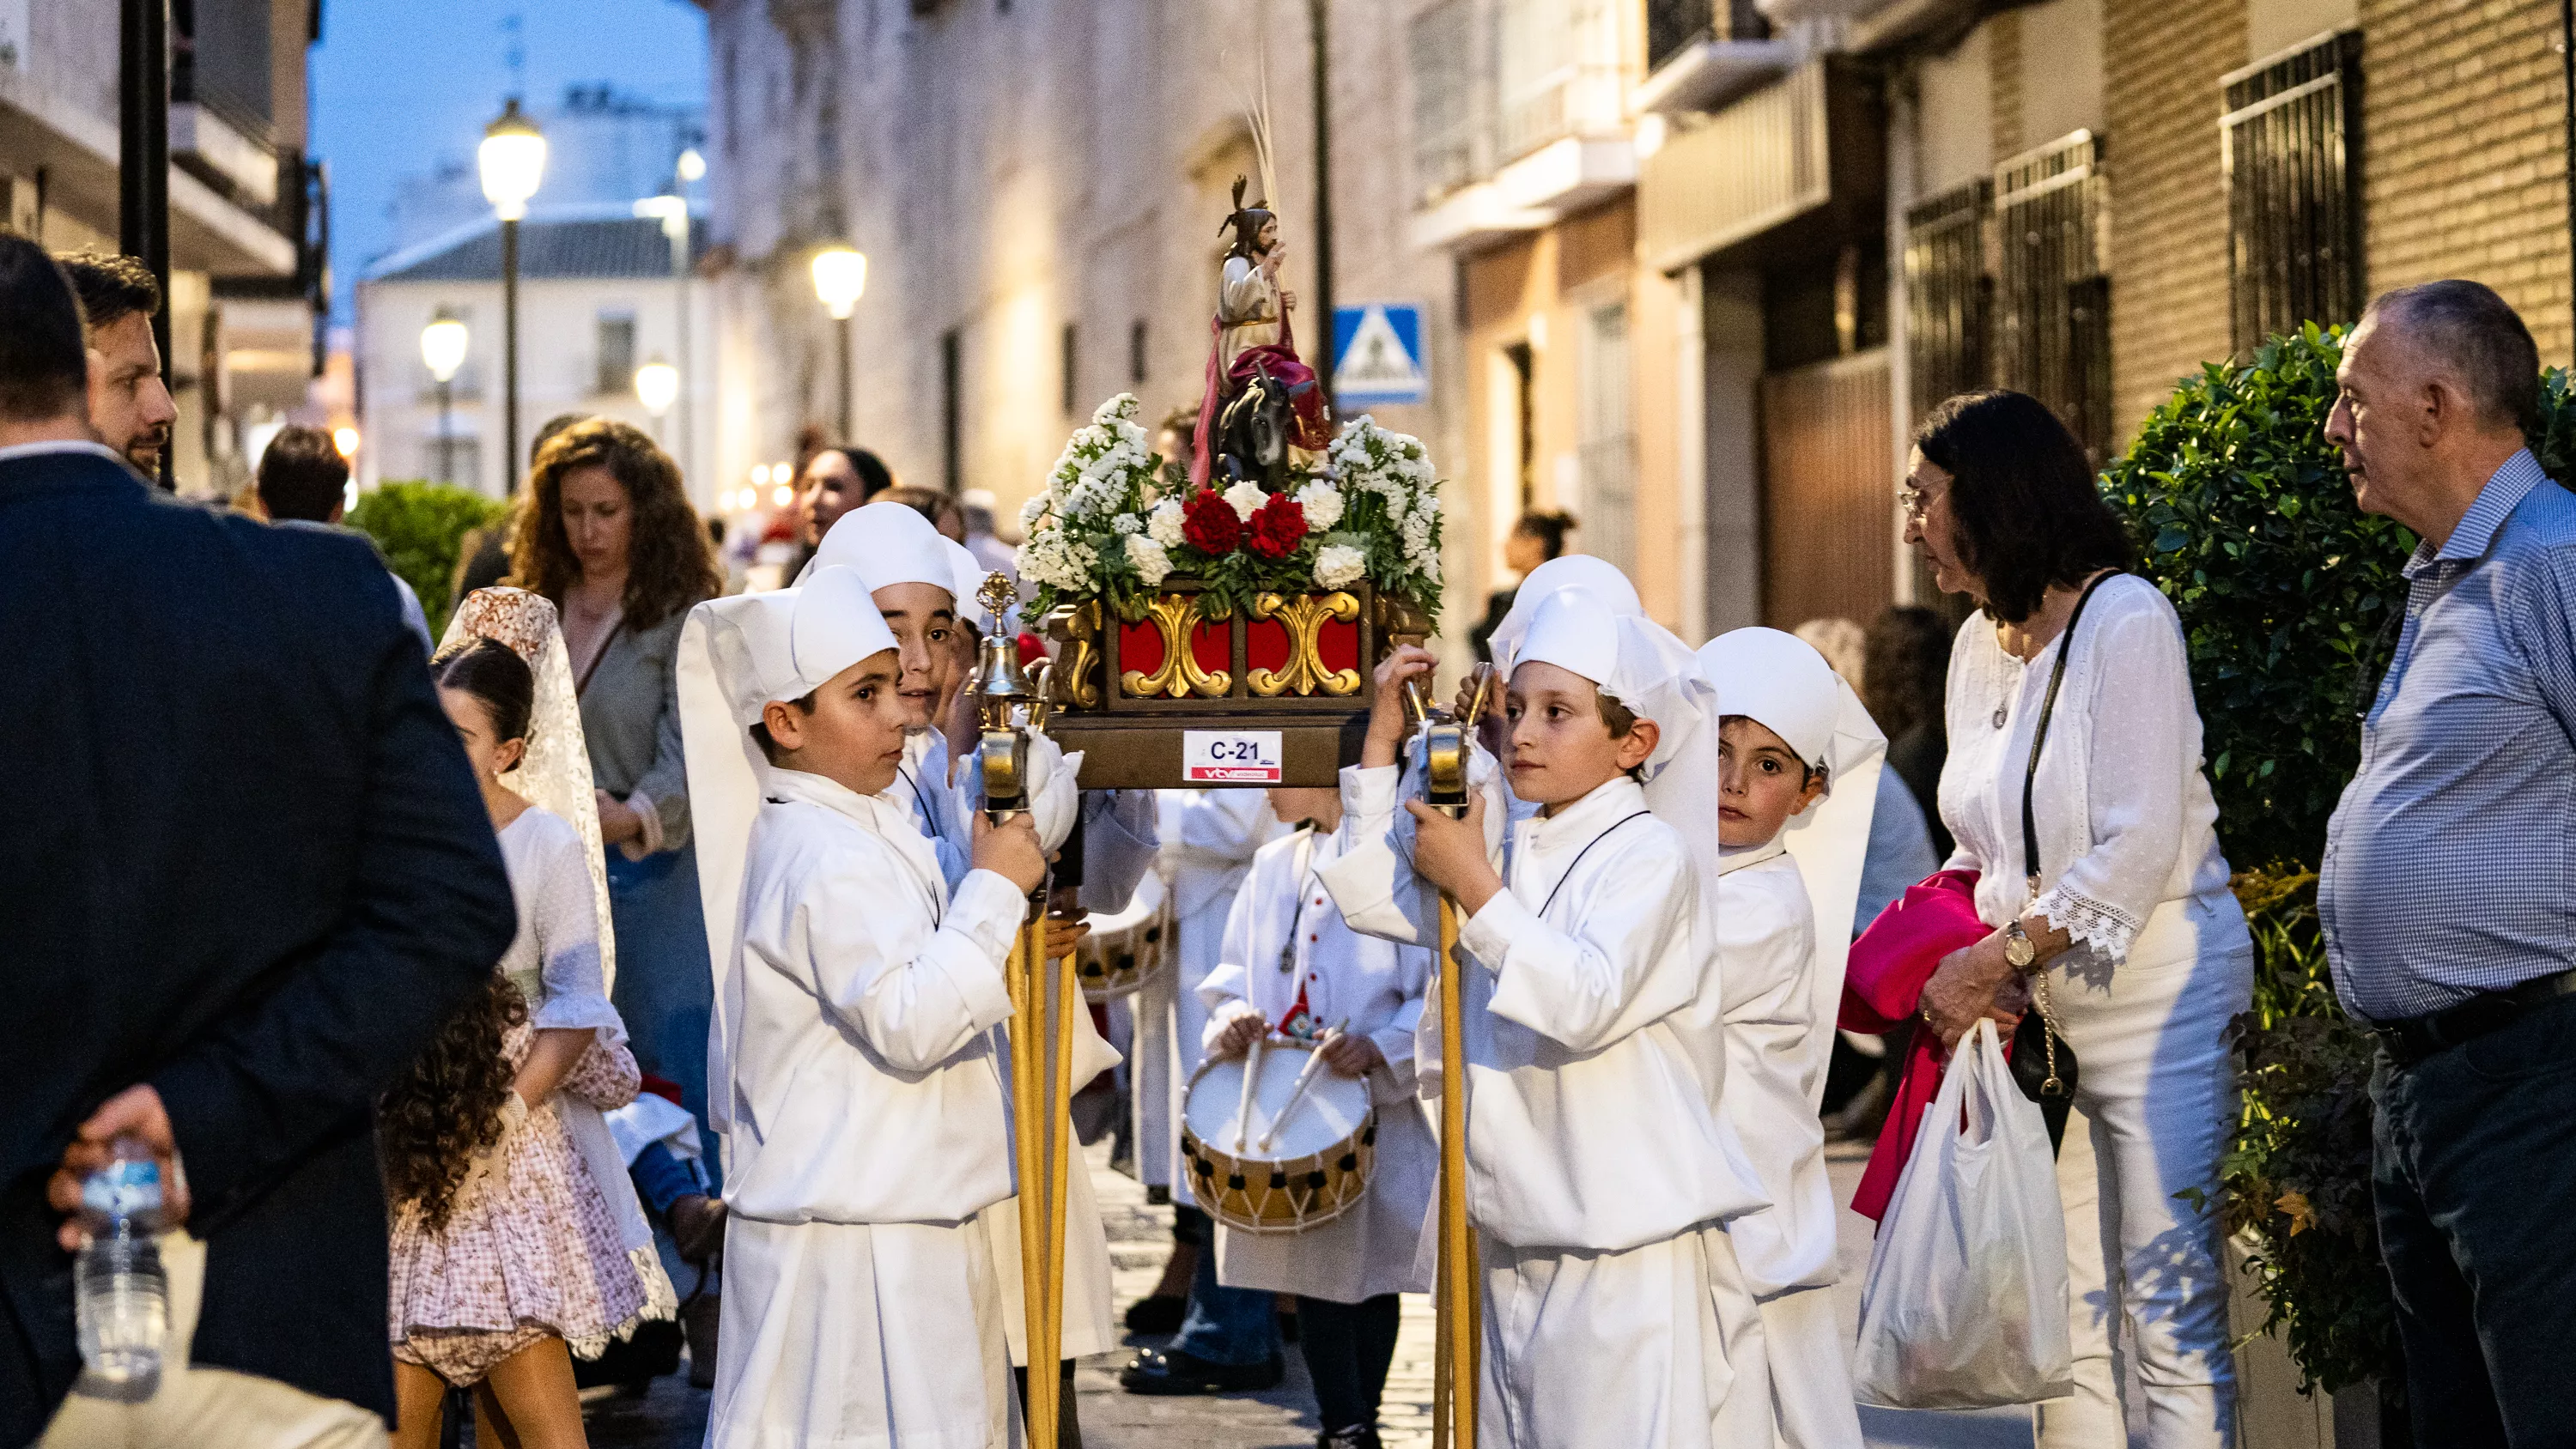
pixel 1297 1093
pixel 1251 1078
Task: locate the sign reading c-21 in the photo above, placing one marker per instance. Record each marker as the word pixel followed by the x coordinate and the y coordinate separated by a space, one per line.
pixel 1378 357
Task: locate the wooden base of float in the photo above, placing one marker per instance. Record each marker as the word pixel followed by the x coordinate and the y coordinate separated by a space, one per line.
pixel 1130 695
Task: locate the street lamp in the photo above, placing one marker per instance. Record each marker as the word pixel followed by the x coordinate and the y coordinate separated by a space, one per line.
pixel 513 160
pixel 442 348
pixel 840 275
pixel 657 386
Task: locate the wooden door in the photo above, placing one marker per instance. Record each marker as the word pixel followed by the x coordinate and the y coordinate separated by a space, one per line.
pixel 1828 492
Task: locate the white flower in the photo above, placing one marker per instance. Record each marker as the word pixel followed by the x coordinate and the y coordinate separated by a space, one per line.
pixel 1323 505
pixel 1148 559
pixel 1032 511
pixel 1247 498
pixel 1165 525
pixel 1337 564
pixel 1128 523
pixel 1417 536
pixel 1122 408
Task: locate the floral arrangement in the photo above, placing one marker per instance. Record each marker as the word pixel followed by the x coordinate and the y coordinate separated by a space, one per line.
pixel 1116 521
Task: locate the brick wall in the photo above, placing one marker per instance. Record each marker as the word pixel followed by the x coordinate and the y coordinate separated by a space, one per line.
pixel 2168 206
pixel 2464 153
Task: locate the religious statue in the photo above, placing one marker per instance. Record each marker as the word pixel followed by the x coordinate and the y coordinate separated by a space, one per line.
pixel 1262 402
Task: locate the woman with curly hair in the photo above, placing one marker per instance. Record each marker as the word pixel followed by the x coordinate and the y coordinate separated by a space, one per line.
pixel 508 1255
pixel 605 531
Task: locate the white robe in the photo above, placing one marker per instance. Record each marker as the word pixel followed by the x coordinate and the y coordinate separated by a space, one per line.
pixel 1208 838
pixel 1599 1164
pixel 860 1306
pixel 1775 1080
pixel 1378 987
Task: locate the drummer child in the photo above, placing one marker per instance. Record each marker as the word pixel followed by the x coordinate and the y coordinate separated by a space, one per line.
pixel 1291 967
pixel 865 1118
pixel 1600 1171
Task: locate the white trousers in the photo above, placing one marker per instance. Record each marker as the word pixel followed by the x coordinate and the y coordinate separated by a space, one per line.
pixel 861 1336
pixel 1657 1347
pixel 2155 1099
pixel 193 1406
pixel 1811 1372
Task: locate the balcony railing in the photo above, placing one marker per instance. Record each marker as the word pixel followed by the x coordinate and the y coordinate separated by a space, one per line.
pixel 1560 73
pixel 1672 26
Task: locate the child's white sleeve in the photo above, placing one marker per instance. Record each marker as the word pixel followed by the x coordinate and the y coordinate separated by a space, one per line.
pixel 1118 844
pixel 1626 964
pixel 566 916
pixel 916 996
pixel 1227 991
pixel 1374 882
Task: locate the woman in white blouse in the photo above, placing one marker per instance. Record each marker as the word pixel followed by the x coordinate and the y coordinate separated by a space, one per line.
pixel 2144 950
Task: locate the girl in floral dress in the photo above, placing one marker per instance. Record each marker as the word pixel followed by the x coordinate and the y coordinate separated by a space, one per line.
pixel 509 1251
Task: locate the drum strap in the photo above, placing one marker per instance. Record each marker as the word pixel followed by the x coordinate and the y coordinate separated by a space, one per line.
pixel 1578 858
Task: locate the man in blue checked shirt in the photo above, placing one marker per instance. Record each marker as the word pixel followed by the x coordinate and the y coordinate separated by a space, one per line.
pixel 2448 891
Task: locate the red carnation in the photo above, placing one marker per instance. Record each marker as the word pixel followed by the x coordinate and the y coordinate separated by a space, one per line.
pixel 1208 523
pixel 1278 526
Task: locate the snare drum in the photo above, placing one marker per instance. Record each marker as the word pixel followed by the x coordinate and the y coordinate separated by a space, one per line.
pixel 1313 1172
pixel 1125 950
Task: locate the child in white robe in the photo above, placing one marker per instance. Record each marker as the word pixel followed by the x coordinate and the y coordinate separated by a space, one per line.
pixel 863 1115
pixel 1291 966
pixel 1791 731
pixel 1600 1169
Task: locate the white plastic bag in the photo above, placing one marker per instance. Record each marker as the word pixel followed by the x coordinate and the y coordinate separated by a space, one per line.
pixel 1965 1306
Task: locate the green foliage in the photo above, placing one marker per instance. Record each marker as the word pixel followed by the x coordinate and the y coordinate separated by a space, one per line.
pixel 417 526
pixel 2241 513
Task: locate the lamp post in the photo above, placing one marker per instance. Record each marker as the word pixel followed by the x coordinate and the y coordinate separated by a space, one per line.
pixel 840 276
pixel 442 348
pixel 512 160
pixel 657 386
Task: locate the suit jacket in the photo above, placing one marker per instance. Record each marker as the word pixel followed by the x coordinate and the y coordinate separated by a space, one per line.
pixel 242 858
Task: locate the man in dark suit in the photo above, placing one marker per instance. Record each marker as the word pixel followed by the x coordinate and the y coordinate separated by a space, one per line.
pixel 244 876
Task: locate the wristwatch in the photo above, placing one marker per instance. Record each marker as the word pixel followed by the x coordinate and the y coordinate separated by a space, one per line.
pixel 2019 950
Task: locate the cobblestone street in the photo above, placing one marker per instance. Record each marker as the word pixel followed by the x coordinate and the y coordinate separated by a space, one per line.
pixel 673 1416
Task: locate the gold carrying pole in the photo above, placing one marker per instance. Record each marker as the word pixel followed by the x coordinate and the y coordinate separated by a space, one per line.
pixel 1458 1292
pixel 1043 994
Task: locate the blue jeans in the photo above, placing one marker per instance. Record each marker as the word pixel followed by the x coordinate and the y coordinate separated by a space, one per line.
pixel 2473 1169
pixel 665 991
pixel 1232 1326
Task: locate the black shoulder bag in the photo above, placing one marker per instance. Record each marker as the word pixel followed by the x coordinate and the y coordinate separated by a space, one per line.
pixel 2043 1061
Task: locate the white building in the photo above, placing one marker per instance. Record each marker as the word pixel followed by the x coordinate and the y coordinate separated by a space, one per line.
pixel 598 299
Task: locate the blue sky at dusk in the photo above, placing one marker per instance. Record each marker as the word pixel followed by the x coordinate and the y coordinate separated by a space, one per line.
pixel 397 86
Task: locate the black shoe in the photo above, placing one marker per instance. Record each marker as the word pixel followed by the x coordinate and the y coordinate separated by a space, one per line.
pixel 1354 1437
pixel 1177 1372
pixel 1160 1314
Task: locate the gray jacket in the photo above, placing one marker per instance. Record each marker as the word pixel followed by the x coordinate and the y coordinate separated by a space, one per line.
pixel 630 714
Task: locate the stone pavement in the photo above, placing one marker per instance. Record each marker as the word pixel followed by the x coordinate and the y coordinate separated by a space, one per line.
pixel 673 1416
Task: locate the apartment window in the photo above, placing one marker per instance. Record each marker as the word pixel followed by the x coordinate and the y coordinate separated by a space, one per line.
pixel 2052 336
pixel 1524 364
pixel 1672 26
pixel 952 412
pixel 2288 143
pixel 1441 42
pixel 1947 294
pixel 1608 510
pixel 1071 361
pixel 616 353
pixel 1136 353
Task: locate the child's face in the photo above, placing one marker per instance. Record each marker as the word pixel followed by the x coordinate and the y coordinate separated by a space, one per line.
pixel 924 622
pixel 1561 750
pixel 489 755
pixel 854 735
pixel 1760 783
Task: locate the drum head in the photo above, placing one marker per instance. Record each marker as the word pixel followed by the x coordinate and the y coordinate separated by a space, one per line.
pixel 1334 1109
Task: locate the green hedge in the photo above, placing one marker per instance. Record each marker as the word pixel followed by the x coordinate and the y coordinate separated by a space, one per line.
pixel 2243 516
pixel 418 527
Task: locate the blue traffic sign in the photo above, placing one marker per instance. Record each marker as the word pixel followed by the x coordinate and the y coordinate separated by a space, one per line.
pixel 1378 356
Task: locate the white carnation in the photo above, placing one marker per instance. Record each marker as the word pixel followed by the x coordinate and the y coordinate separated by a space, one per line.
pixel 1247 498
pixel 1148 559
pixel 1165 525
pixel 1323 505
pixel 1339 564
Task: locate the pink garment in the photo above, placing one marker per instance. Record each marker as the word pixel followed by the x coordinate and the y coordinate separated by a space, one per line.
pixel 1883 989
pixel 530 1251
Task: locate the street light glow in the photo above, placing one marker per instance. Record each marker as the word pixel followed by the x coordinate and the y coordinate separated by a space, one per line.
pixel 692 166
pixel 512 160
pixel 657 386
pixel 840 276
pixel 346 440
pixel 442 347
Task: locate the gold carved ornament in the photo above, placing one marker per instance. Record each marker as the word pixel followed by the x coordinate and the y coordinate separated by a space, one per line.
pixel 1179 674
pixel 1082 631
pixel 1304 614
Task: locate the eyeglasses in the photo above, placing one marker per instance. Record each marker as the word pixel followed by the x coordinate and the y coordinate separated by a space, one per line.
pixel 1915 501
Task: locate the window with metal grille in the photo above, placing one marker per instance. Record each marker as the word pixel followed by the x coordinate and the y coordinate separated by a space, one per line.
pixel 1608 460
pixel 1443 84
pixel 1948 294
pixel 2051 333
pixel 616 355
pixel 2289 145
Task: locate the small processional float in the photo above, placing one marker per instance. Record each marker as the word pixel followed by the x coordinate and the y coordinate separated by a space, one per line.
pixel 1216 618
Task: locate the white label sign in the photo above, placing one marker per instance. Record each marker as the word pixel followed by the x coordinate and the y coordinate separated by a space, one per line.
pixel 1230 757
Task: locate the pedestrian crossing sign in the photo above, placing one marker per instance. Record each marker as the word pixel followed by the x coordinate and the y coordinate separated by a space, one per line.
pixel 1377 355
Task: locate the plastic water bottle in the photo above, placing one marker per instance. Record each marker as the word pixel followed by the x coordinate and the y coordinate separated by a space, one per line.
pixel 121 1296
